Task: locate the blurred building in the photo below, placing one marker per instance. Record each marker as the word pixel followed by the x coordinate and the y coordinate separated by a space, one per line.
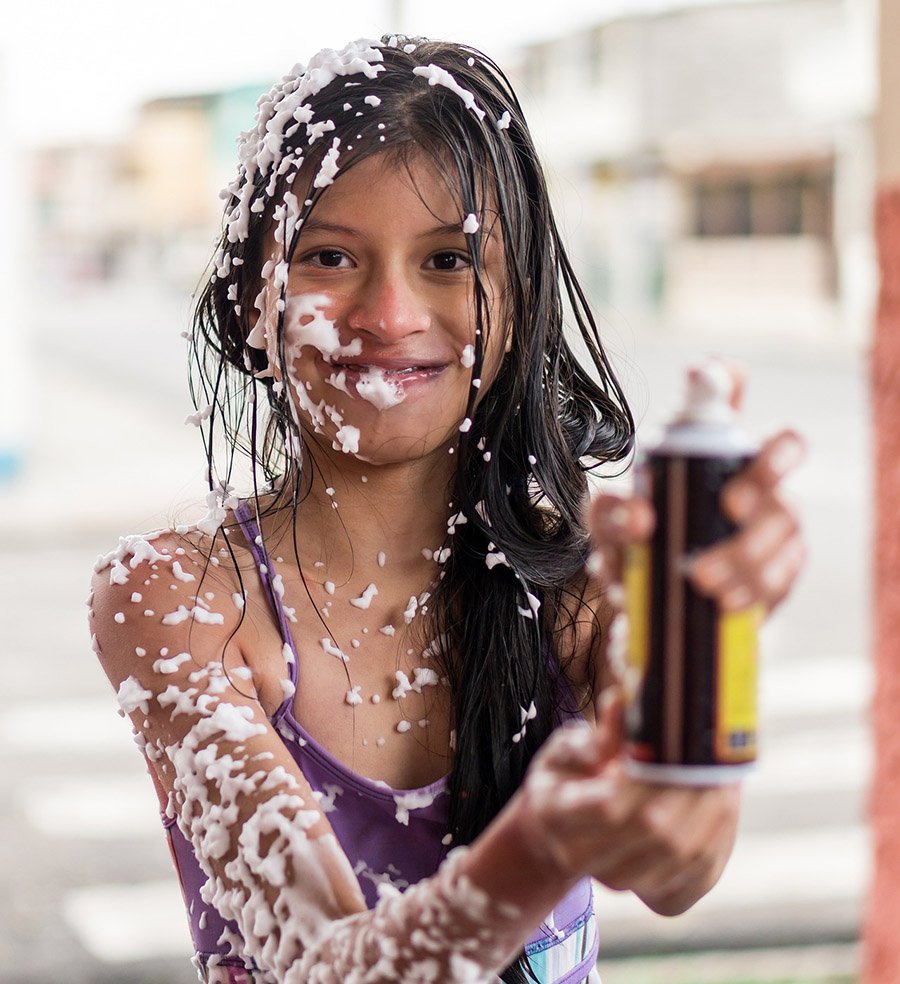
pixel 714 163
pixel 148 207
pixel 15 369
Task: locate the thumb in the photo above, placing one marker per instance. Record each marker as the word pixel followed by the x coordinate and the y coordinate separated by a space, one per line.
pixel 611 723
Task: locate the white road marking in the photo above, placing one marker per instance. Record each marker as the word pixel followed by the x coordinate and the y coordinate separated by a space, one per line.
pixel 97 807
pixel 65 727
pixel 835 759
pixel 122 923
pixel 825 685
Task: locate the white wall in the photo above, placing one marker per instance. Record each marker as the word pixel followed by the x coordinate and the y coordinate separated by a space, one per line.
pixel 740 85
pixel 14 368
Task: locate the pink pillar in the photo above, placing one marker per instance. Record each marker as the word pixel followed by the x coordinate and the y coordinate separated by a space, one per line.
pixel 881 929
pixel 882 924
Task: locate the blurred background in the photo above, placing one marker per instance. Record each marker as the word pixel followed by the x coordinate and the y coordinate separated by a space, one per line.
pixel 712 166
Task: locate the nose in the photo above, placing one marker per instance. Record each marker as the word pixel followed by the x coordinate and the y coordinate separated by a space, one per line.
pixel 388 308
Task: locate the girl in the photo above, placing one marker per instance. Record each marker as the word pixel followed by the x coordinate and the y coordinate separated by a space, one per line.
pixel 345 681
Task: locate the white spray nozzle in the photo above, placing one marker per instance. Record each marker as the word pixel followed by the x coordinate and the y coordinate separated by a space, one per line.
pixel 711 389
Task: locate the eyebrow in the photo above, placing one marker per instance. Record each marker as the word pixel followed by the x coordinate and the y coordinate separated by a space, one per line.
pixel 318 225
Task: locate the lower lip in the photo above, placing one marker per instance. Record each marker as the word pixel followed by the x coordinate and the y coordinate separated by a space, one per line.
pixel 405 380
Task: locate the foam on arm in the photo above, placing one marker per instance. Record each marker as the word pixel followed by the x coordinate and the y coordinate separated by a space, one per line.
pixel 272 860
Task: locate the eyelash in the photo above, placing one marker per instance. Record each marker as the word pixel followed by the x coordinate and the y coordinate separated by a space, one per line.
pixel 458 255
pixel 315 254
pixel 321 252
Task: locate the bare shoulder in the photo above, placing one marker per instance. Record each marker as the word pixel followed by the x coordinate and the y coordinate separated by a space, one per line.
pixel 582 621
pixel 170 630
pixel 158 595
pixel 168 601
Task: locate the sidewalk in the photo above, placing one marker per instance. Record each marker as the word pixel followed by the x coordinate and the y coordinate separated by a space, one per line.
pixel 794 965
pixel 102 459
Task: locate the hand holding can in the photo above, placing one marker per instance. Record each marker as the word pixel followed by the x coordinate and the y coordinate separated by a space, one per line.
pixel 705 551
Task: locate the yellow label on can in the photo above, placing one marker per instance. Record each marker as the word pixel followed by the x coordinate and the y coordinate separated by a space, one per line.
pixel 637 608
pixel 737 673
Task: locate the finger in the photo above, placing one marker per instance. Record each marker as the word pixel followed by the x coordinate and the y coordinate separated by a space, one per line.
pixel 698 837
pixel 678 885
pixel 780 573
pixel 765 579
pixel 738 372
pixel 711 569
pixel 742 495
pixel 616 522
pixel 614 519
pixel 743 557
pixel 663 840
pixel 612 723
pixel 574 748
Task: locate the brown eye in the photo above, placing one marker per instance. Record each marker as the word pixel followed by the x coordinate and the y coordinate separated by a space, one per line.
pixel 329 257
pixel 450 261
pixel 326 259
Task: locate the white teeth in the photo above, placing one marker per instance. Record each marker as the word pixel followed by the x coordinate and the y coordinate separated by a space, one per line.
pixel 388 372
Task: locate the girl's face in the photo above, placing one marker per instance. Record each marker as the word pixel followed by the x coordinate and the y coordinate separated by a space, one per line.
pixel 384 257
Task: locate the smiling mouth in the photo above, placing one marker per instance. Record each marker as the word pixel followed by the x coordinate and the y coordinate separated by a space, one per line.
pixel 384 371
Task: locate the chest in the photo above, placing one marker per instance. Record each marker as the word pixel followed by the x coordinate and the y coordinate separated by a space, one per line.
pixel 396 730
pixel 376 703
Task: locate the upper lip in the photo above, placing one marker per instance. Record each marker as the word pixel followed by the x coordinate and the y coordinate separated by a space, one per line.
pixel 389 363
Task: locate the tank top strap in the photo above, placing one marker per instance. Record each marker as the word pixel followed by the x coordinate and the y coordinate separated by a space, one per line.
pixel 271 582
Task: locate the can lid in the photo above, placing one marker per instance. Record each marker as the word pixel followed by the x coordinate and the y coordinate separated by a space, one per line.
pixel 712 394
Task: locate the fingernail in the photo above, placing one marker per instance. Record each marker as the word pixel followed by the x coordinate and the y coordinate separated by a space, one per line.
pixel 744 499
pixel 785 455
pixel 594 564
pixel 710 573
pixel 615 595
pixel 619 516
pixel 773 576
pixel 609 696
pixel 737 599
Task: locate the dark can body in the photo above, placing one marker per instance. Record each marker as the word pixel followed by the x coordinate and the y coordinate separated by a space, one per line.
pixel 692 716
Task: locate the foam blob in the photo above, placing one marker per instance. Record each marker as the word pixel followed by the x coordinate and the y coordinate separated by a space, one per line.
pixel 382 392
pixel 440 76
pixel 365 599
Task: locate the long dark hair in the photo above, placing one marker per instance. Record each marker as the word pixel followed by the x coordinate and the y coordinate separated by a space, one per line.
pixel 546 419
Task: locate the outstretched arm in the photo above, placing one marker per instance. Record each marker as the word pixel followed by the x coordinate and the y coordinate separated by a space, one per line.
pixel 174 655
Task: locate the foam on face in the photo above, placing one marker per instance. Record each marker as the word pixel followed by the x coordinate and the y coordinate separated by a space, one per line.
pixel 267 166
pixel 382 392
pixel 339 381
pixel 306 324
pixel 347 439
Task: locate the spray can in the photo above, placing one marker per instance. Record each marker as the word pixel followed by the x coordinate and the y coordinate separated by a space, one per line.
pixel 691 680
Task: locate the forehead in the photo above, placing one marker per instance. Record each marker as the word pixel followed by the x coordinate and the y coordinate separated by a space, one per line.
pixel 408 181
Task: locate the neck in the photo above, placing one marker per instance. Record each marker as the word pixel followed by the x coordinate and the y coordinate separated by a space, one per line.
pixel 360 523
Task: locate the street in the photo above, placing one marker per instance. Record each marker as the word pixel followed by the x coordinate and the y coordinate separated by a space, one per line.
pixel 88 892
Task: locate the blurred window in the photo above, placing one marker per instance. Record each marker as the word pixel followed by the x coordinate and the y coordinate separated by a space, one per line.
pixel 537 59
pixel 791 202
pixel 594 57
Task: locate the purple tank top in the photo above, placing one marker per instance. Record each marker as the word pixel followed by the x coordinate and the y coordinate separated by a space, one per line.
pixel 389 835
